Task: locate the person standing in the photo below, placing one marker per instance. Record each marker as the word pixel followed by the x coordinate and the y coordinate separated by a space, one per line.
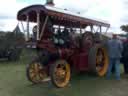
pixel 115 49
pixel 125 56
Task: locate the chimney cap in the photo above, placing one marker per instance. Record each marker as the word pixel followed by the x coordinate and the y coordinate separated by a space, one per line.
pixel 49 2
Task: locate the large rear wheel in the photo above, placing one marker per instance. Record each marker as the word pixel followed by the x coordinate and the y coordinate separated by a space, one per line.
pixel 35 72
pixel 98 60
pixel 60 73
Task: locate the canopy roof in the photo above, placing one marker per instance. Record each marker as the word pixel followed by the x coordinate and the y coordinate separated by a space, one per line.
pixel 58 16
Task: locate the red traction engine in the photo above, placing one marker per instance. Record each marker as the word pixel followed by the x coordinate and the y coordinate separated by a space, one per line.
pixel 65 41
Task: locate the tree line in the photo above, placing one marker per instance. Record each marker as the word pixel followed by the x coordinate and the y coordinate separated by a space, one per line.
pixel 9 39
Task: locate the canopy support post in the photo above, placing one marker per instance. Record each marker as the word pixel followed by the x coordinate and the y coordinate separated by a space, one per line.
pixel 22 27
pixel 106 30
pixel 91 27
pixel 101 32
pixel 45 22
pixel 80 29
pixel 100 29
pixel 97 29
pixel 94 30
pixel 38 25
pixel 27 28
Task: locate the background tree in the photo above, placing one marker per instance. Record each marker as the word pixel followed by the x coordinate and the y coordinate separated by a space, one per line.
pixel 11 39
pixel 15 39
pixel 124 28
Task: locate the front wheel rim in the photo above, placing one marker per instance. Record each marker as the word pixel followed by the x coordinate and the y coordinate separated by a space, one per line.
pixel 36 73
pixel 61 74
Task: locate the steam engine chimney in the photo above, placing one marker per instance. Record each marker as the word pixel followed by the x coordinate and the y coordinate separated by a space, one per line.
pixel 50 2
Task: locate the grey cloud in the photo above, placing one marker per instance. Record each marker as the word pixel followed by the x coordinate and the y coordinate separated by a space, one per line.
pixel 124 13
pixel 124 20
pixel 75 9
pixel 125 5
pixel 6 17
pixel 125 1
pixel 2 25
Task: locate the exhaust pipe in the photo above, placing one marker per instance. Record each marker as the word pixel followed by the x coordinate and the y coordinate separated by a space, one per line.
pixel 50 2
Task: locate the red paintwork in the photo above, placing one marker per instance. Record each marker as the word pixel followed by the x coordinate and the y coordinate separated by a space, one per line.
pixel 46 44
pixel 78 57
pixel 80 62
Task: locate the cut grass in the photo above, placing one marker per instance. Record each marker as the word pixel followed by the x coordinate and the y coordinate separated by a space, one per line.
pixel 13 82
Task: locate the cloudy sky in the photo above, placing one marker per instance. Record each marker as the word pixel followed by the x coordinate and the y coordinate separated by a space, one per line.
pixel 114 11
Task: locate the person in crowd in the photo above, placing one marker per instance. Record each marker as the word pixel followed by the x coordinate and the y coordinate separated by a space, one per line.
pixel 124 58
pixel 115 49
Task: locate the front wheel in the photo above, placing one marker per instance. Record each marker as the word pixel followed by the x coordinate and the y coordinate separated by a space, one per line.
pixel 35 72
pixel 60 73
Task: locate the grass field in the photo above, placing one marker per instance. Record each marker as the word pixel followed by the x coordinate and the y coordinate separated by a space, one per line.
pixel 13 82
